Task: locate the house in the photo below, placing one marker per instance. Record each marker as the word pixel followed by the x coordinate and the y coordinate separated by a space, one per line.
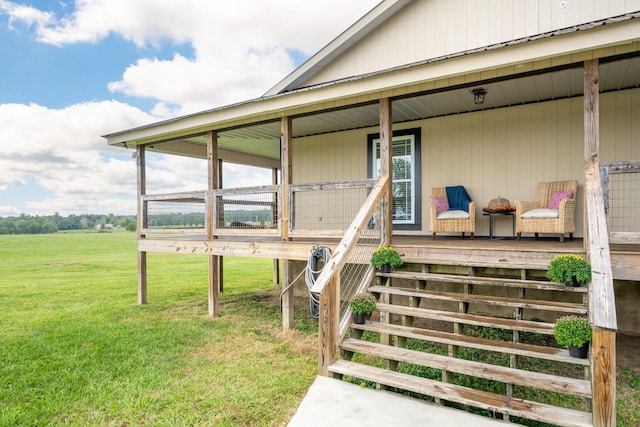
pixel 497 96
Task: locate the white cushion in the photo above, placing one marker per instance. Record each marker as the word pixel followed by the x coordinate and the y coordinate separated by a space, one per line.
pixel 453 215
pixel 540 213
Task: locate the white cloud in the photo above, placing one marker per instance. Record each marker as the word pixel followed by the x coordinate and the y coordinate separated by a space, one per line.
pixel 9 211
pixel 26 15
pixel 240 50
pixel 64 153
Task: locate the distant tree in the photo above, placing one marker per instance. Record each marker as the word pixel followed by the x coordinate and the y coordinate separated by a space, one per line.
pixel 131 227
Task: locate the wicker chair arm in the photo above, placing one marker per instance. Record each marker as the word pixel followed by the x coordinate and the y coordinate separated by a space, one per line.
pixel 567 208
pixel 472 210
pixel 524 206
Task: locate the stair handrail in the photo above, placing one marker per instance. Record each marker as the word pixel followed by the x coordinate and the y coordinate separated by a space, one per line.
pixel 602 304
pixel 327 284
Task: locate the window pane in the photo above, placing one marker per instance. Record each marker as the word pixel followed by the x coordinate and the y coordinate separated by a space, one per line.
pixel 402 201
pixel 403 179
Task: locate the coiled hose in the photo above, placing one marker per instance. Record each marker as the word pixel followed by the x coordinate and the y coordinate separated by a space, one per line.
pixel 312 272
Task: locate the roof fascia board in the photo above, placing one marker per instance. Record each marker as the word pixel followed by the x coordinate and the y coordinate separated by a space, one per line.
pixel 386 84
pixel 339 45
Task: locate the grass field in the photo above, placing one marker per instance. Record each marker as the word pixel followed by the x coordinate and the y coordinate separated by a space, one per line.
pixel 76 348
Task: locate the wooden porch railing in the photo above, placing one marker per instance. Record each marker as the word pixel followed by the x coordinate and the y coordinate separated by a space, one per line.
pixel 621 189
pixel 179 202
pixel 328 283
pixel 258 199
pixel 325 209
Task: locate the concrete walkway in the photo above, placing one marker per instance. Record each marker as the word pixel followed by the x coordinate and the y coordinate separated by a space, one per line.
pixel 330 402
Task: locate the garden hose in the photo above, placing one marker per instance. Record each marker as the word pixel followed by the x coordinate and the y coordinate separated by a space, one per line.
pixel 313 270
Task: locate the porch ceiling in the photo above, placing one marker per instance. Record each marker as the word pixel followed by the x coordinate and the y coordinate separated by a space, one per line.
pixel 263 140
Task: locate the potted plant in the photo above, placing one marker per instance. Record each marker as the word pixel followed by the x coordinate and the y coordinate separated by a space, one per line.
pixel 574 333
pixel 570 269
pixel 362 305
pixel 385 258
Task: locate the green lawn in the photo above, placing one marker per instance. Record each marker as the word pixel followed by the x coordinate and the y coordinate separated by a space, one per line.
pixel 76 349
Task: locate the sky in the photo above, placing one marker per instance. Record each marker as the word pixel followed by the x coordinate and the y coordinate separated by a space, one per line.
pixel 72 71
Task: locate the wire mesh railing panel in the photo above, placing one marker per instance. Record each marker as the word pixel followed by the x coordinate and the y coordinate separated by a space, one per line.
pixel 624 202
pixel 175 214
pixel 255 208
pixel 357 272
pixel 329 207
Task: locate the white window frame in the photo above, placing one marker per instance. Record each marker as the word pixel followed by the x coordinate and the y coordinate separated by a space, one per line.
pixel 375 167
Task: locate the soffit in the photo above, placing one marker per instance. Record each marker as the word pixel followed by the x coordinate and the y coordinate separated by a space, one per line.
pixel 263 140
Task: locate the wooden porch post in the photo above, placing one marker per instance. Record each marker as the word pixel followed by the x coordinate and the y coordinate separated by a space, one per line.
pixel 220 258
pixel 274 214
pixel 601 293
pixel 386 163
pixel 329 325
pixel 142 223
pixel 286 168
pixel 213 173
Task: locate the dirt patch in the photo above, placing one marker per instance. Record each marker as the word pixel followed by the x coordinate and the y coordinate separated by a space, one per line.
pixel 628 351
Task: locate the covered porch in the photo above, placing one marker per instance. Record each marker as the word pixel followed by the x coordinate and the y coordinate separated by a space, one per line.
pixel 330 187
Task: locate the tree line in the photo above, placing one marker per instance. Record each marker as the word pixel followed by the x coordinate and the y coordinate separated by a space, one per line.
pixel 46 224
pixel 260 217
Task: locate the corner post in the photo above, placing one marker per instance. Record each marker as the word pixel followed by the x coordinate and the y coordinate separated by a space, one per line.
pixel 142 223
pixel 386 164
pixel 285 211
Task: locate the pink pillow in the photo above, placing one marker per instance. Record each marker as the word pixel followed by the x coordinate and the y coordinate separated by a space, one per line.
pixel 557 197
pixel 441 203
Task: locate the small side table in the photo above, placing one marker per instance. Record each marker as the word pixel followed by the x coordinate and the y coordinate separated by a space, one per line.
pixel 492 214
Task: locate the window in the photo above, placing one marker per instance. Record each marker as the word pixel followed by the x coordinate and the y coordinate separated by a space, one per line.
pixel 405 187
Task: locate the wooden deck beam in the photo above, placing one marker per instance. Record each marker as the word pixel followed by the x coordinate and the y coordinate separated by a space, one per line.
pixel 531 254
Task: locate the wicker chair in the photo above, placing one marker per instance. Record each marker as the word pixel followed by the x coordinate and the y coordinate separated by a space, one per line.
pixel 537 217
pixel 445 224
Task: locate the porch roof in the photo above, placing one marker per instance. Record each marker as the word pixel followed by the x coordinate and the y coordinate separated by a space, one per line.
pixel 539 70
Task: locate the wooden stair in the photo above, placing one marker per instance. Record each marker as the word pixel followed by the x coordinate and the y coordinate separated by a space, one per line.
pixel 434 322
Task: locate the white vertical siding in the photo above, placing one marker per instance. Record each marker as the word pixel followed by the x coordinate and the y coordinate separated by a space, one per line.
pixel 427 29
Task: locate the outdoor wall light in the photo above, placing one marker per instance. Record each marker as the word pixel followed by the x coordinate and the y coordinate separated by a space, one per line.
pixel 478 95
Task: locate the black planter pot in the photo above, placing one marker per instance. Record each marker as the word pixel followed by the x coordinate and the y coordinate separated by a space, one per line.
pixel 579 352
pixel 573 283
pixel 359 318
pixel 385 268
